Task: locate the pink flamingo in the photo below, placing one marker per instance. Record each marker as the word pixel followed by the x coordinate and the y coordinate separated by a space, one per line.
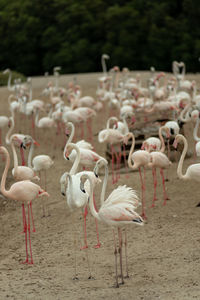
pixel 40 163
pixel 73 171
pixel 117 210
pixel 21 172
pixel 23 191
pixel 77 200
pixel 193 171
pixel 112 137
pixel 140 158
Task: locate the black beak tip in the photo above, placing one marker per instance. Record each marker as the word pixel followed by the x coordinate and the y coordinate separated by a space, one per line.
pixel 63 194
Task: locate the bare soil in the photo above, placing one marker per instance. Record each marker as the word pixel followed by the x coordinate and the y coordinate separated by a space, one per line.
pixel 164 259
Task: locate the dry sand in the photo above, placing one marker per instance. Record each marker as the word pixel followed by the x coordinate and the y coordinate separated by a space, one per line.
pixel 164 259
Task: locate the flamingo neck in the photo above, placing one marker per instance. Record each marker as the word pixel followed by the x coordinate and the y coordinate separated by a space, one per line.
pixel 9 81
pixel 70 138
pixel 10 130
pixel 30 154
pixel 75 165
pixel 125 123
pixel 14 155
pixel 5 172
pixel 109 121
pixel 105 181
pixel 180 164
pixel 184 112
pixel 196 138
pixel 37 117
pixel 91 201
pixel 162 149
pixel 132 166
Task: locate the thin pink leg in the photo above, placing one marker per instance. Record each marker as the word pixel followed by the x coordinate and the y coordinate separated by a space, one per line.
pixel 85 232
pixel 143 194
pixel 120 254
pixel 118 156
pixel 22 156
pixel 125 162
pixel 115 253
pixel 25 231
pixel 113 171
pixel 98 245
pixel 32 217
pixel 155 185
pixel 164 190
pixel 89 126
pixel 29 235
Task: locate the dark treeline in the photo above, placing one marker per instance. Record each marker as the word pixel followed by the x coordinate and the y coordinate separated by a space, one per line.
pixel 38 35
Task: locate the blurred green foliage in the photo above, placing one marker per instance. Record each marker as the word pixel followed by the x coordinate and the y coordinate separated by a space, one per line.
pixel 38 35
pixel 15 75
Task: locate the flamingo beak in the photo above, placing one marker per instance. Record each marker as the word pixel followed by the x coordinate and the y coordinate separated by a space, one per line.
pixel 36 143
pixel 23 146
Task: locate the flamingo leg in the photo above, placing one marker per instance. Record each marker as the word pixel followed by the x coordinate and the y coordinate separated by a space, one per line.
pixel 0 137
pixel 115 253
pixel 113 159
pixel 25 231
pixel 125 162
pixel 89 126
pixel 75 248
pixel 33 126
pixel 120 253
pixel 98 245
pixel 119 156
pixel 85 232
pixel 126 253
pixel 143 193
pixel 164 190
pixel 32 217
pixel 29 234
pixel 155 185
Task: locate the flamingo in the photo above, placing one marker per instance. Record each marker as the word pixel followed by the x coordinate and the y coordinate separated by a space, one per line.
pixel 25 192
pixel 193 171
pixel 112 137
pixel 77 200
pixel 20 172
pixel 118 209
pixel 140 158
pixel 73 171
pixel 41 163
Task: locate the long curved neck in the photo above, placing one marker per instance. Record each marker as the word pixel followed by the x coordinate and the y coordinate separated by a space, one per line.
pixel 131 151
pixel 15 159
pixel 5 172
pixel 10 131
pixel 91 202
pixel 70 137
pixel 162 139
pixel 30 154
pixel 103 63
pixel 180 164
pixel 105 181
pixel 74 167
pixel 181 116
pixel 196 138
pixel 9 81
pixel 109 120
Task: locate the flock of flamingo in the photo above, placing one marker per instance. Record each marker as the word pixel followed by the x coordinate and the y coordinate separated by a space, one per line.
pixel 121 97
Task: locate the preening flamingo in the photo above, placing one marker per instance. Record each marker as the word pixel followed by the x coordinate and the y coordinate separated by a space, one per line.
pixel 136 160
pixel 73 171
pixel 193 171
pixel 25 192
pixel 21 172
pixel 117 210
pixel 40 163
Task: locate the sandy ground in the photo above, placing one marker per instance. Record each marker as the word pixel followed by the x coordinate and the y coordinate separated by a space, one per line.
pixel 164 258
